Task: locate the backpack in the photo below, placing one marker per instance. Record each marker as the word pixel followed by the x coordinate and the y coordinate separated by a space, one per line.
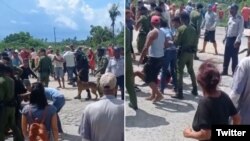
pixel 37 130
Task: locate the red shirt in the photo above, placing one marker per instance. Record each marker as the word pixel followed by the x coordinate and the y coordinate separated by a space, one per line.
pixel 245 12
pixel 110 52
pixel 221 14
pixel 24 55
pixel 214 8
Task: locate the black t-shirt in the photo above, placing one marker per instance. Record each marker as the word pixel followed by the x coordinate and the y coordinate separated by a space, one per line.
pixel 213 111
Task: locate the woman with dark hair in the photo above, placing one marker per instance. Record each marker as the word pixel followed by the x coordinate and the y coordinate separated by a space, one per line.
pixel 40 110
pixel 215 108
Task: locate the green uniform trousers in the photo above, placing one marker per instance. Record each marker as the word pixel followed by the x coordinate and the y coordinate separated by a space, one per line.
pixel 44 78
pixel 141 41
pixel 8 121
pixel 185 59
pixel 130 81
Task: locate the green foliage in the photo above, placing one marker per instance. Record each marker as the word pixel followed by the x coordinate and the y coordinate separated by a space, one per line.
pixel 19 40
pixel 113 14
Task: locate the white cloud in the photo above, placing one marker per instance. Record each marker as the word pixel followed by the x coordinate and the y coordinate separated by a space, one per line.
pixel 88 12
pixel 62 20
pixel 13 21
pixel 67 12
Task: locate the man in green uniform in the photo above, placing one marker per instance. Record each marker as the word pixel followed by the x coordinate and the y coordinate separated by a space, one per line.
pixel 7 105
pixel 186 41
pixel 44 67
pixel 129 73
pixel 143 25
pixel 195 21
pixel 102 64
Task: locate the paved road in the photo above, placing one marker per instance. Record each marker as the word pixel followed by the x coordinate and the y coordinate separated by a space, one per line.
pixel 166 120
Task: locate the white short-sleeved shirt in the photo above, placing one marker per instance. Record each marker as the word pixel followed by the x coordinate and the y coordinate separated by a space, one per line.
pixel 69 58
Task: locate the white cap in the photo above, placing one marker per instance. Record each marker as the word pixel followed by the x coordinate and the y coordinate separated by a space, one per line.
pixel 108 81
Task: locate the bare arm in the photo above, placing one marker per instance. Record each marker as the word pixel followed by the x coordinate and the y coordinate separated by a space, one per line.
pixel 54 127
pixel 236 119
pixel 24 127
pixel 203 134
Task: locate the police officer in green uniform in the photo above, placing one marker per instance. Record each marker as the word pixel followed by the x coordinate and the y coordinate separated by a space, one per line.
pixel 7 105
pixel 186 40
pixel 195 21
pixel 44 67
pixel 102 64
pixel 143 25
pixel 129 73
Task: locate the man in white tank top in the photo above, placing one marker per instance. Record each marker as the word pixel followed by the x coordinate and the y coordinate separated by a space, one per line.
pixel 154 47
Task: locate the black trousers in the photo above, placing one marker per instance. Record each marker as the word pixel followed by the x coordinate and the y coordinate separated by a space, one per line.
pixel 230 53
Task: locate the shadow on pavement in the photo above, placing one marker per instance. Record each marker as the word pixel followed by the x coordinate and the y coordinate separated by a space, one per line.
pixel 173 105
pixel 143 119
pixel 68 137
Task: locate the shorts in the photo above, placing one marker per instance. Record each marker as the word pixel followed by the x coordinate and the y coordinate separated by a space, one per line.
pixel 152 69
pixel 209 36
pixel 59 72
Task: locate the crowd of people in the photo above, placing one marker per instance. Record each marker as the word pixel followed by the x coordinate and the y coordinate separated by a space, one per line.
pixel 167 41
pixel 24 103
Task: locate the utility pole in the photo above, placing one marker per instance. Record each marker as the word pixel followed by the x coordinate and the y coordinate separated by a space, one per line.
pixel 55 36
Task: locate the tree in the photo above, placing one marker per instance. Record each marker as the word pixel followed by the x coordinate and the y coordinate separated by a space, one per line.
pixel 113 13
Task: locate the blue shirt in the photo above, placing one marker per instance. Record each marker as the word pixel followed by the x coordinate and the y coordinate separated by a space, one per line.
pixel 169 34
pixel 16 61
pixel 53 94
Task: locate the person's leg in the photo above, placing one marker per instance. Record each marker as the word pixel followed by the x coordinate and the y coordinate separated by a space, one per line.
pixel 12 124
pixel 206 39
pixel 234 58
pixel 59 103
pixel 191 73
pixel 180 67
pixel 120 83
pixel 227 56
pixel 57 75
pixel 164 71
pixel 173 69
pixel 215 48
pixel 212 39
pixel 130 83
pixel 70 74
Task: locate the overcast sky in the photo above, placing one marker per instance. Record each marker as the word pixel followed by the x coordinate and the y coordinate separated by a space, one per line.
pixel 69 17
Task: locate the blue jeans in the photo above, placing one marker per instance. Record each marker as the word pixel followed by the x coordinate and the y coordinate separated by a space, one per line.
pixel 120 83
pixel 70 71
pixel 170 58
pixel 59 103
pixel 230 52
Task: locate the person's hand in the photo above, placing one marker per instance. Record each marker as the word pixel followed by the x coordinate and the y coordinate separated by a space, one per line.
pixel 187 132
pixel 141 60
pixel 237 44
